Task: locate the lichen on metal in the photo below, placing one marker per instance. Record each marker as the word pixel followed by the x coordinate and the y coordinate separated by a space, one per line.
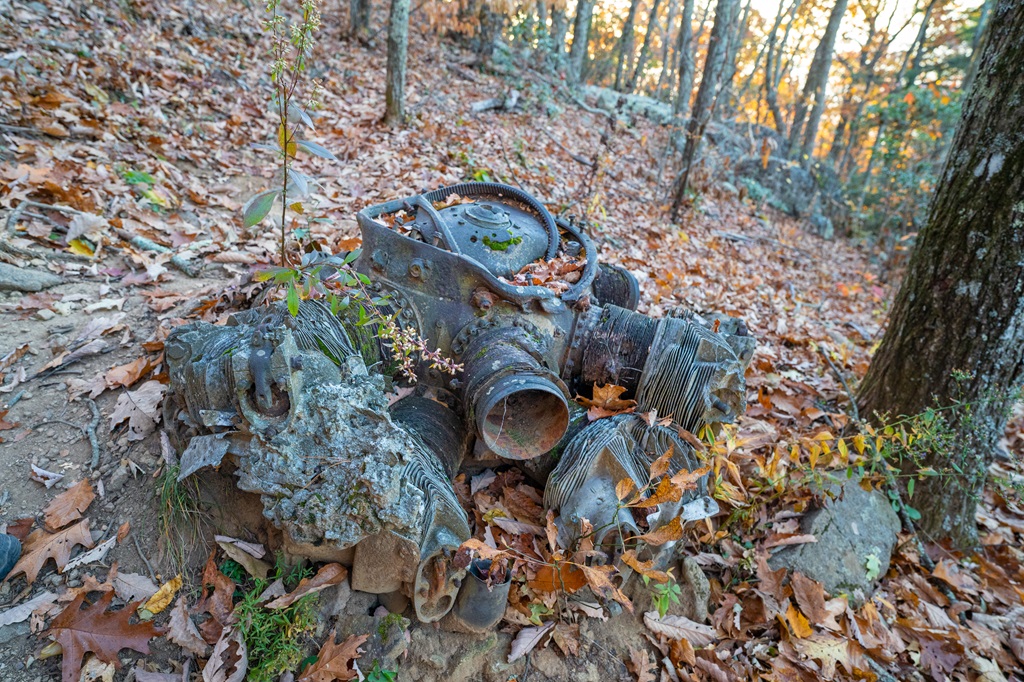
pixel 308 427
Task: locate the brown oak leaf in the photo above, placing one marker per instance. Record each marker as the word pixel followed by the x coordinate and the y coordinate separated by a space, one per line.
pixel 334 662
pixel 68 506
pixel 41 546
pixel 96 630
pixel 606 402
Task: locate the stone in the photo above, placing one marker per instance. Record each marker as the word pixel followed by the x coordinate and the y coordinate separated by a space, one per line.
pixel 117 479
pixel 823 226
pixel 360 603
pixel 24 279
pixel 694 592
pixel 44 314
pixel 13 631
pixel 792 189
pixel 850 527
pixel 334 599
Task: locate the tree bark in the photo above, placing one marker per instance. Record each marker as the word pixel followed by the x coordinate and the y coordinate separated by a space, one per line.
pixel 703 106
pixel 729 73
pixel 398 46
pixel 625 46
pixel 359 18
pixel 817 82
pixel 580 38
pixel 961 305
pixel 641 61
pixel 559 26
pixel 666 79
pixel 684 53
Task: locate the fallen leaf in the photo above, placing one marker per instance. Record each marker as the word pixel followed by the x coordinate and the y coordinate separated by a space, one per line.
pixel 330 574
pixel 96 670
pixel 671 531
pixel 335 661
pixel 216 600
pixel 163 597
pixel 229 661
pixel 183 632
pixel 47 478
pixel 680 627
pixel 98 553
pixel 606 402
pixel 134 587
pixel 40 546
pixel 253 566
pixel 798 623
pixel 567 578
pixel 644 568
pixel 810 596
pixel 140 408
pixel 641 665
pixel 21 612
pixel 123 376
pixel 97 630
pixel 528 639
pixel 567 637
pixel 68 506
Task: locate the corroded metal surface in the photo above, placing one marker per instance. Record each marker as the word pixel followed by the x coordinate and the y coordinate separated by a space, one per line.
pixel 290 401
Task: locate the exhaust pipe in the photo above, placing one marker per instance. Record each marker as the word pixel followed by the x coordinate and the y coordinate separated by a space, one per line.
pixel 519 407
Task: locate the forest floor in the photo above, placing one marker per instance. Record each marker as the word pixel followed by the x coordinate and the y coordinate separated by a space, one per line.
pixel 141 116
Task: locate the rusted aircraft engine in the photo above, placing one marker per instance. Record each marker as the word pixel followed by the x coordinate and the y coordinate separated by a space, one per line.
pixel 292 401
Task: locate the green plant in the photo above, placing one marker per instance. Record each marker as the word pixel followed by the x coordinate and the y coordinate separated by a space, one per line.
pixel 181 515
pixel 664 595
pixel 273 637
pixel 290 50
pixel 378 674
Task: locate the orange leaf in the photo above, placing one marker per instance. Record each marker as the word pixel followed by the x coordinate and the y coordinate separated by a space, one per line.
pixel 606 402
pixel 645 568
pixel 801 628
pixel 334 662
pixel 568 578
pixel 68 506
pixel 673 530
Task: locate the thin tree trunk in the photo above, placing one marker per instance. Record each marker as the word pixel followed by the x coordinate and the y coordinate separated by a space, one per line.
pixel 735 41
pixel 398 45
pixel 666 79
pixel 961 306
pixel 559 25
pixel 770 69
pixel 814 89
pixel 641 61
pixel 703 106
pixel 684 53
pixel 580 38
pixel 625 46
pixel 359 18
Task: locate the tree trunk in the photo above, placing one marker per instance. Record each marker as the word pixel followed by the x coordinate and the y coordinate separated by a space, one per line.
pixel 735 42
pixel 961 305
pixel 641 61
pixel 398 46
pixel 359 18
pixel 817 82
pixel 703 106
pixel 580 38
pixel 625 46
pixel 666 79
pixel 559 25
pixel 684 53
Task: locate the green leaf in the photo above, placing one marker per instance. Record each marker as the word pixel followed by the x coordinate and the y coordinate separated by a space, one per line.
pixel 363 278
pixel 315 149
pixel 910 488
pixel 293 299
pixel 913 513
pixel 873 566
pixel 352 256
pixel 257 208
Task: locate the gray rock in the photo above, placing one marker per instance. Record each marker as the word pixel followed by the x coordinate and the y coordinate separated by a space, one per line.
pixel 117 479
pixel 792 189
pixel 728 189
pixel 849 529
pixel 23 279
pixel 823 226
pixel 13 631
pixel 334 599
pixel 44 314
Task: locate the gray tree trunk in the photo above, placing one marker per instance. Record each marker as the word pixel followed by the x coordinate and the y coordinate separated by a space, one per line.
pixel 666 79
pixel 398 47
pixel 703 106
pixel 625 46
pixel 580 38
pixel 732 51
pixel 359 18
pixel 817 82
pixel 684 53
pixel 961 304
pixel 641 61
pixel 559 26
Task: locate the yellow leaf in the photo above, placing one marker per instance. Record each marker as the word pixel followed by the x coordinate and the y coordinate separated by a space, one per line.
pixel 286 140
pixel 623 488
pixel 164 596
pixel 660 466
pixel 798 622
pixel 81 247
pixel 645 568
pixel 672 530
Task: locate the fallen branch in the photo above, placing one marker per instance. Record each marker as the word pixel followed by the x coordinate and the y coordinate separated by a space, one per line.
pixel 575 157
pixel 177 261
pixel 506 103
